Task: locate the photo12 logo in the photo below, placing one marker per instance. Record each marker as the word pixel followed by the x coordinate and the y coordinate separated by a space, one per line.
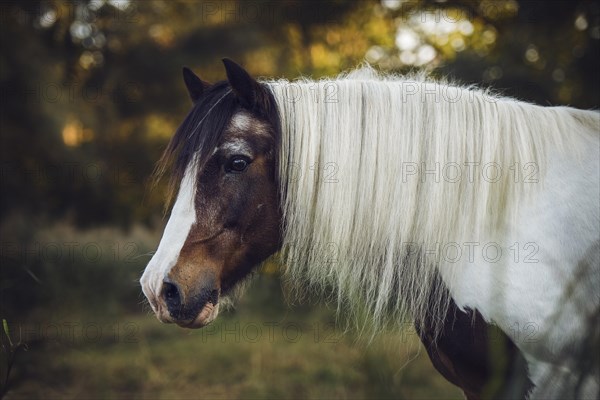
pixel 71 252
pixel 270 331
pixel 475 252
pixel 72 173
pixel 79 332
pixel 454 172
pixel 75 92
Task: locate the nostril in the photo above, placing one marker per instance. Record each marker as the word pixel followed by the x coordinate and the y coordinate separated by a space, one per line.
pixel 171 296
pixel 170 291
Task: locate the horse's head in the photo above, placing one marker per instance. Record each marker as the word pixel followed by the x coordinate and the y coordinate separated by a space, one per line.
pixel 226 217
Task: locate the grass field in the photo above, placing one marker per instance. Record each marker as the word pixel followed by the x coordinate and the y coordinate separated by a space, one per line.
pixel 246 354
pixel 89 336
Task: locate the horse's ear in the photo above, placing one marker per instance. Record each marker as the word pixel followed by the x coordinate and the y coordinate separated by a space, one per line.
pixel 194 84
pixel 246 88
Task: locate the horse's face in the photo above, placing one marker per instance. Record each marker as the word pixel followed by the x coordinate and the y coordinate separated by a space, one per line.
pixel 226 217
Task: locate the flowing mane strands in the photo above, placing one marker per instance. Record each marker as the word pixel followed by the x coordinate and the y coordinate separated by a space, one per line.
pixel 363 208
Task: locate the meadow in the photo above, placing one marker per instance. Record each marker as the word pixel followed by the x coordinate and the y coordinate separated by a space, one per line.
pixel 89 333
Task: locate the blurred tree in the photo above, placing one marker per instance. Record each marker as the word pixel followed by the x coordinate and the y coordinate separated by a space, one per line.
pixel 91 90
pixel 545 52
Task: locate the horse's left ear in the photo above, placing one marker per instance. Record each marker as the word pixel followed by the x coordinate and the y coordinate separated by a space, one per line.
pixel 194 84
pixel 246 88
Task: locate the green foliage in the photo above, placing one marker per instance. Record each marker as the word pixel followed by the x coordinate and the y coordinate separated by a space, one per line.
pixel 10 348
pixel 92 90
pixel 58 267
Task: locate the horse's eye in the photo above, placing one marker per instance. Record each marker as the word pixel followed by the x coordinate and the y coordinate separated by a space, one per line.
pixel 237 164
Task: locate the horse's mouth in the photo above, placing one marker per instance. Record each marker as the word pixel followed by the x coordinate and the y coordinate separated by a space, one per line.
pixel 186 318
pixel 207 314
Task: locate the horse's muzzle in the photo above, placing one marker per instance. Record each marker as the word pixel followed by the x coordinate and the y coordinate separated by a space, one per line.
pixel 193 309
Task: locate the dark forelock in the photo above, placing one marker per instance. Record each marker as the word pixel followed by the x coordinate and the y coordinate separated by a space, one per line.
pixel 199 133
pixel 202 128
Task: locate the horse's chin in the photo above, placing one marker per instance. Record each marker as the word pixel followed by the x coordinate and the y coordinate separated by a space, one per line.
pixel 207 315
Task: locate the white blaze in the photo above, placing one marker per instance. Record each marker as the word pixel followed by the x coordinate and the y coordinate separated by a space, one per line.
pixel 183 216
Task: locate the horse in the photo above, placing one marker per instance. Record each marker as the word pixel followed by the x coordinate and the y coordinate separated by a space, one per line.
pixel 473 213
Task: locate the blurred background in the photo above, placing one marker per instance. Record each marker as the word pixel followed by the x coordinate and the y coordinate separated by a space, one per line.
pixel 91 92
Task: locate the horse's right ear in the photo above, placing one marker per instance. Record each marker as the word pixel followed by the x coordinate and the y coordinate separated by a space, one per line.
pixel 194 84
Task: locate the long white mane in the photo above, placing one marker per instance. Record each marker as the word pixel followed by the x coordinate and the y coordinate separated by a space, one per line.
pixel 379 173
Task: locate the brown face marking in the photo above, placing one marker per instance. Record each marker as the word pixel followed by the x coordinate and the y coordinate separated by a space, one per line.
pixel 237 214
